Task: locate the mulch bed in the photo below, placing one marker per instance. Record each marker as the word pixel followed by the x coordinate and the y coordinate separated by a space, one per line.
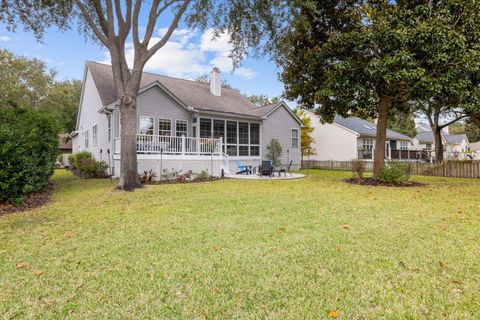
pixel 378 183
pixel 34 200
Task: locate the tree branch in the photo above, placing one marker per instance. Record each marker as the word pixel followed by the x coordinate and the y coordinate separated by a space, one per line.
pixel 91 23
pixel 169 32
pixel 101 18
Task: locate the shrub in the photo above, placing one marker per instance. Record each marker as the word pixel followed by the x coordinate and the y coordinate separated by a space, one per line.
pixel 358 168
pixel 203 175
pixel 274 151
pixel 394 173
pixel 84 165
pixel 28 151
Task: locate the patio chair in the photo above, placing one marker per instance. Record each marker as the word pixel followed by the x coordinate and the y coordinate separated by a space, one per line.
pixel 243 168
pixel 266 168
pixel 289 167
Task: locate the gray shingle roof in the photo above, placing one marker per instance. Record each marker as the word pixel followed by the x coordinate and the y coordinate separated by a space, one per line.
pixel 194 94
pixel 425 137
pixel 455 138
pixel 366 128
pixel 264 110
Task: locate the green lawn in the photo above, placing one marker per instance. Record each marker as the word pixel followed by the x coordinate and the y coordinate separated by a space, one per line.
pixel 237 249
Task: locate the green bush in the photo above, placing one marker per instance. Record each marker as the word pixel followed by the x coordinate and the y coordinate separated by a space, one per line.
pixel 274 152
pixel 28 151
pixel 394 173
pixel 84 165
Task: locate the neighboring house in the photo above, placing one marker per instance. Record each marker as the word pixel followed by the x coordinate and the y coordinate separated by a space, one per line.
pixel 64 143
pixel 182 124
pixel 353 138
pixel 456 146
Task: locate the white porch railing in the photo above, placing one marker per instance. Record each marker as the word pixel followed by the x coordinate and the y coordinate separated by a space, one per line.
pixel 169 145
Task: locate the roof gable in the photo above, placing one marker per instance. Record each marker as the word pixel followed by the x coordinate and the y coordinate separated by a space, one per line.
pixel 191 93
pixel 265 111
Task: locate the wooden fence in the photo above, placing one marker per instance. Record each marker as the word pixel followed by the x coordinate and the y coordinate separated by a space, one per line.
pixel 455 169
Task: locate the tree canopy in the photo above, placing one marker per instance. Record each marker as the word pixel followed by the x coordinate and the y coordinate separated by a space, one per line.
pixel 29 83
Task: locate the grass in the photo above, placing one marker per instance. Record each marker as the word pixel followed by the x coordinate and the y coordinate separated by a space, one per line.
pixel 235 249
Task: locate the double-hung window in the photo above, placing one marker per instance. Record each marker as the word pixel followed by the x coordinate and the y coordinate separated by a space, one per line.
pixel 181 128
pixel 232 138
pixel 94 135
pixel 145 125
pixel 403 145
pixel 294 138
pixel 367 144
pixel 164 127
pixel 254 139
pixel 86 139
pixel 109 127
pixel 243 138
pixel 205 128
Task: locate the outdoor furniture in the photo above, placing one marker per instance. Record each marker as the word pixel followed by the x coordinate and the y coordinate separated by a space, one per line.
pixel 243 168
pixel 289 167
pixel 266 168
pixel 279 171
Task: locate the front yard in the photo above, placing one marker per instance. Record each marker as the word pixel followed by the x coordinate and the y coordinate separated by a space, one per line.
pixel 313 248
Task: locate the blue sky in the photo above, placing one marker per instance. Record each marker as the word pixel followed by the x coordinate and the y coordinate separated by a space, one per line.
pixel 189 53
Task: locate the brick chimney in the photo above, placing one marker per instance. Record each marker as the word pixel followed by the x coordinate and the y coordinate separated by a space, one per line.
pixel 215 82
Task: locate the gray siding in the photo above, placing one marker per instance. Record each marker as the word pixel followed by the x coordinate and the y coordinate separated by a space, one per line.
pixel 278 125
pixel 154 102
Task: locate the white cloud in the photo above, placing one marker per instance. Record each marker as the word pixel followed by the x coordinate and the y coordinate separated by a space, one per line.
pixel 189 54
pixel 4 38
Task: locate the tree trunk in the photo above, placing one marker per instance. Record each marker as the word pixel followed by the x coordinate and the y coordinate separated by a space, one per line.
pixel 381 137
pixel 437 133
pixel 128 160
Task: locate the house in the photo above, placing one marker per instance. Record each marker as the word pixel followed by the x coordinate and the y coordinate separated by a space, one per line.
pixel 353 138
pixel 64 143
pixel 456 146
pixel 182 124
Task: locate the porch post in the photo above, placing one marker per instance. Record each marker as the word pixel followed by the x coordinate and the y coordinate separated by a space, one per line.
pixel 183 144
pixel 221 146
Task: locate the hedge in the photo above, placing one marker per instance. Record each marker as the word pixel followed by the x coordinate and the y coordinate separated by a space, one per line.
pixel 28 151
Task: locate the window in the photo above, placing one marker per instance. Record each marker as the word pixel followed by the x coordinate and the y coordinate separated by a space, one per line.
pixel 231 132
pixel 94 135
pixel 205 128
pixel 368 144
pixel 164 127
pixel 294 138
pixel 109 127
pixel 254 133
pixel 86 139
pixel 181 128
pixel 254 150
pixel 232 138
pixel 243 132
pixel 145 125
pixel 218 129
pixel 403 145
pixel 243 150
pixel 428 146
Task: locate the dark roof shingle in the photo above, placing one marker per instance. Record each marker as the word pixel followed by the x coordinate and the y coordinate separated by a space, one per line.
pixel 366 128
pixel 194 94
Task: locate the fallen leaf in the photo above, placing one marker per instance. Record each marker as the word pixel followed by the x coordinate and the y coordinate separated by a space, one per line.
pixel 203 315
pixel 21 265
pixel 281 230
pixel 333 314
pixel 213 248
pixel 346 226
pixel 38 273
pixel 457 290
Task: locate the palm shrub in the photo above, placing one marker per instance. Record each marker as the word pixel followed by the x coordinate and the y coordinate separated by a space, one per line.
pixel 28 151
pixel 274 152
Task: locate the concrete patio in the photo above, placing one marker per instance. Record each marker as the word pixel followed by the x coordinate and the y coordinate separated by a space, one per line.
pixel 258 177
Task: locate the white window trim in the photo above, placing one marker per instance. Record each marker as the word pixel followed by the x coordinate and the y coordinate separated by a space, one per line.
pixel 237 144
pixel 86 141
pixel 158 127
pixel 291 137
pixel 95 135
pixel 148 117
pixel 109 127
pixel 370 144
pixel 186 124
